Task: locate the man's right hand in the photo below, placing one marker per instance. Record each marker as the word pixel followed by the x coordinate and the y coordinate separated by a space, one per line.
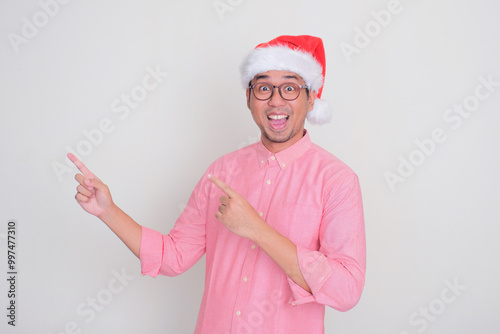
pixel 92 195
pixel 95 198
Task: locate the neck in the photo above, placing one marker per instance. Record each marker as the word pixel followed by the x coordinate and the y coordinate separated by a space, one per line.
pixel 275 147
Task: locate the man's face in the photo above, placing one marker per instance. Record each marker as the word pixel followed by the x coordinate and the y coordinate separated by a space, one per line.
pixel 280 121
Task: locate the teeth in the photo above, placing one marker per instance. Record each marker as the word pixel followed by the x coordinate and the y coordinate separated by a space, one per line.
pixel 277 116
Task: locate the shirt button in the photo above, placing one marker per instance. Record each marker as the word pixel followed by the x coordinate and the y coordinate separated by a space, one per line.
pixel 252 247
pixel 245 279
pixel 238 313
pixel 273 157
pixel 268 182
pixel 283 165
pixel 261 214
pixel 262 161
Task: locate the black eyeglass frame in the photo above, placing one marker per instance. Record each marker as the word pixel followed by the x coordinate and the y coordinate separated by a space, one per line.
pixel 252 88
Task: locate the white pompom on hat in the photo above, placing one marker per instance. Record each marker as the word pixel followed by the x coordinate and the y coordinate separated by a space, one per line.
pixel 304 55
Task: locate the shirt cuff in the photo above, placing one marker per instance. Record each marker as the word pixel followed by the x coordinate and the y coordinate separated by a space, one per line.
pixel 300 295
pixel 316 271
pixel 151 252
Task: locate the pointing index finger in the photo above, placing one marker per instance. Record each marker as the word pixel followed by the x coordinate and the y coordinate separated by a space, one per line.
pixel 222 186
pixel 80 165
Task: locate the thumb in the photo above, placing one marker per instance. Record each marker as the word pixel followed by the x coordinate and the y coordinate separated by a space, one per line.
pixel 88 183
pixel 95 183
pixel 101 191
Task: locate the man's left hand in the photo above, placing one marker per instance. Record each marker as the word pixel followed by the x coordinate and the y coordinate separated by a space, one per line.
pixel 236 213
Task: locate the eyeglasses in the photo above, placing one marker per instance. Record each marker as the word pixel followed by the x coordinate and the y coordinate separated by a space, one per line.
pixel 289 91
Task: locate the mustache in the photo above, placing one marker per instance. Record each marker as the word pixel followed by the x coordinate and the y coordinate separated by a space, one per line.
pixel 280 110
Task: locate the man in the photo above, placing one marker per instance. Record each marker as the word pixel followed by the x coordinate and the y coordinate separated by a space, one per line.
pixel 280 221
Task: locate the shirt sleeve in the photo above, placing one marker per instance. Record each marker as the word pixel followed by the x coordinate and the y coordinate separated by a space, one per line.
pixel 174 253
pixel 336 272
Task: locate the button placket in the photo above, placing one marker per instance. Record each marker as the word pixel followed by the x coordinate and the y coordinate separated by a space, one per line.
pixel 271 171
pixel 268 171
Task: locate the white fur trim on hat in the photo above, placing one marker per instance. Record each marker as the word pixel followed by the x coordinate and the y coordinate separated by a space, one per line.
pixel 321 113
pixel 282 58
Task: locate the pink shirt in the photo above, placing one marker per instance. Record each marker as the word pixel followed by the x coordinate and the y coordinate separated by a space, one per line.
pixel 303 192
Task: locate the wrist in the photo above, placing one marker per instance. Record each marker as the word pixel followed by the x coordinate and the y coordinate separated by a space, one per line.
pixel 262 232
pixel 109 213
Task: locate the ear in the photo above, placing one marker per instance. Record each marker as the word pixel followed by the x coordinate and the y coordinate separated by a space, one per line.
pixel 312 98
pixel 248 98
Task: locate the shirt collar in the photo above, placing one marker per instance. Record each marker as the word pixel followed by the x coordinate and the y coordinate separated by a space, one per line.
pixel 287 156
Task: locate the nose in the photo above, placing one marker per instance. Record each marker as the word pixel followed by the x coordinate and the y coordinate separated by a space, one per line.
pixel 276 99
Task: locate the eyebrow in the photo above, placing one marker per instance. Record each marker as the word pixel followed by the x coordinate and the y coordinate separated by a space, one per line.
pixel 291 77
pixel 264 76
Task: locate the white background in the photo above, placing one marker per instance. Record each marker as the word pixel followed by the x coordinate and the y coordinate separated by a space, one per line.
pixel 440 225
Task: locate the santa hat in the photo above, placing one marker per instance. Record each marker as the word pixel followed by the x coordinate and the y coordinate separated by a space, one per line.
pixel 304 55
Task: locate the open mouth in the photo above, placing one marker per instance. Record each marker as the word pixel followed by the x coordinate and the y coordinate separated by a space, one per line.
pixel 278 122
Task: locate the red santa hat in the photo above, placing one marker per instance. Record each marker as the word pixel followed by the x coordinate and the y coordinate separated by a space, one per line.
pixel 304 55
